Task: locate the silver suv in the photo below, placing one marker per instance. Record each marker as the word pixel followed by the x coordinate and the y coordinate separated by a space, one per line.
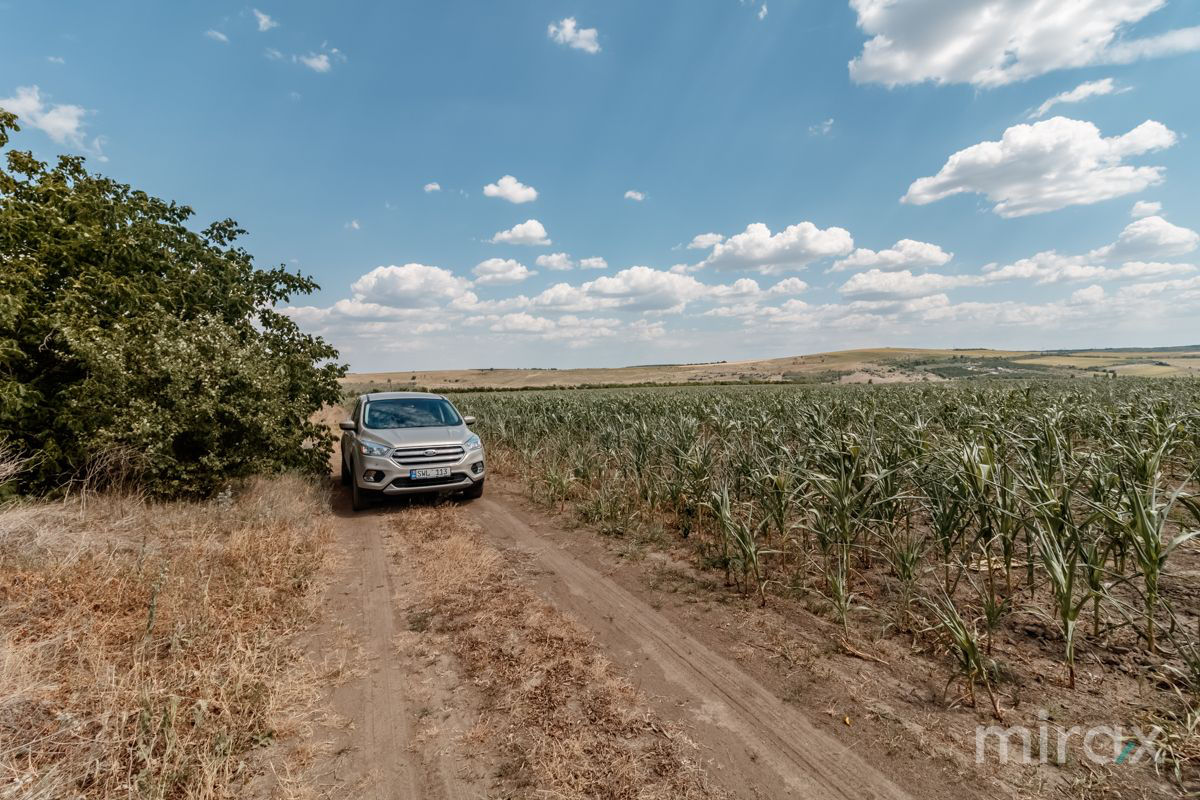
pixel 407 443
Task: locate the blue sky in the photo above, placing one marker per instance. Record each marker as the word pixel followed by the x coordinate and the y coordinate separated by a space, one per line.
pixel 871 172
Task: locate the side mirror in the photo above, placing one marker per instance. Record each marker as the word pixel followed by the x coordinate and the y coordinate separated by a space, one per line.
pixel 468 420
pixel 348 425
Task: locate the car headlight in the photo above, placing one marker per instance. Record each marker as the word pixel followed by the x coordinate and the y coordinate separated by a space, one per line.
pixel 372 449
pixel 473 442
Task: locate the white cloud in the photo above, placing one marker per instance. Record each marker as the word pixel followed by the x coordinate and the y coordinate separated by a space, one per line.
pixel 647 289
pixel 1145 208
pixel 789 286
pixel 409 286
pixel 823 128
pixel 1149 238
pixel 595 262
pixel 568 32
pixel 555 261
pixel 993 42
pixel 432 186
pixel 1077 95
pixel 762 12
pixel 877 284
pixel 529 232
pixel 64 123
pixel 217 36
pixel 56 59
pixel 510 189
pixel 794 247
pixel 501 270
pixel 317 62
pixel 635 195
pixel 1046 166
pixel 904 254
pixel 353 225
pixel 705 241
pixel 264 21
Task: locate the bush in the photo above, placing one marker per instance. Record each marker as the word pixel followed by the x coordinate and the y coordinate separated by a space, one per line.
pixel 128 338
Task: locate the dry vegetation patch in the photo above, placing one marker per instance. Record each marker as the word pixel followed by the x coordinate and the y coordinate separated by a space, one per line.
pixel 145 649
pixel 567 723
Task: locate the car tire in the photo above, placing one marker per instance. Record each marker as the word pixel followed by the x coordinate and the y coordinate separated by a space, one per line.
pixel 358 497
pixel 475 492
pixel 345 472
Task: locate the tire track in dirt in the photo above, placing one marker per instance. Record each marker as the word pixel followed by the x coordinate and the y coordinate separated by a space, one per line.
pixel 374 747
pixel 754 742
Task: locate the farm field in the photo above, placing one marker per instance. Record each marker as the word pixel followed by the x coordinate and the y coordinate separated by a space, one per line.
pixel 879 365
pixel 987 552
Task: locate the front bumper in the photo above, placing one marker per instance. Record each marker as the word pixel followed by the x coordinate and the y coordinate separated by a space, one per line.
pixel 391 477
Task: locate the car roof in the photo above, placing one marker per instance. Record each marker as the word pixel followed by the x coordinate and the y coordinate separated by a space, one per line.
pixel 399 396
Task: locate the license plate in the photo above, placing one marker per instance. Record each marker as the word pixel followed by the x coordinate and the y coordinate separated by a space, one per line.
pixel 432 472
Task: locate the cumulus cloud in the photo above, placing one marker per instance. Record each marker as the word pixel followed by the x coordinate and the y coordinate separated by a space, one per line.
pixel 432 186
pixel 647 289
pixel 409 286
pixel 877 284
pixel 501 270
pixel 1150 238
pixel 1077 95
pixel 705 241
pixel 794 247
pixel 510 189
pixel 353 225
pixel 264 21
pixel 993 42
pixel 762 11
pixel 904 254
pixel 217 36
pixel 529 232
pixel 568 32
pixel 635 195
pixel 62 122
pixel 1145 208
pixel 1046 166
pixel 555 261
pixel 322 61
pixel 595 262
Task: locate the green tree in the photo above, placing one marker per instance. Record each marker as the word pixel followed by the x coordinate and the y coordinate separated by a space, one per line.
pixel 128 338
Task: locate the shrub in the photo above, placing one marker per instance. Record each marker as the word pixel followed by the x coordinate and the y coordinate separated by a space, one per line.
pixel 127 337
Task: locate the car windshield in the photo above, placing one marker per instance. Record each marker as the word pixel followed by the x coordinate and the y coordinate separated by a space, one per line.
pixel 410 412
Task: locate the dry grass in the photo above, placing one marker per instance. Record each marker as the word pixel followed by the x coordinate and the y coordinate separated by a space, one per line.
pixel 568 725
pixel 145 649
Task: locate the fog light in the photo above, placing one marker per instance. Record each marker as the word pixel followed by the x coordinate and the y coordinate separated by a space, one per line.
pixel 372 476
pixel 477 467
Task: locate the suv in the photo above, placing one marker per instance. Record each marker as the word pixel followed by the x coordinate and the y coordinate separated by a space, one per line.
pixel 407 443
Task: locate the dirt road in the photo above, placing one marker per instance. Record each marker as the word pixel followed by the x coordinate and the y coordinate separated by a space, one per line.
pixel 378 741
pixel 757 745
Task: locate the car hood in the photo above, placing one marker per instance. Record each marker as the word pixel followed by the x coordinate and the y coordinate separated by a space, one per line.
pixel 413 437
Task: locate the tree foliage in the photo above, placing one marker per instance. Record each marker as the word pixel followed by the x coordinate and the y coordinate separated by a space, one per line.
pixel 127 337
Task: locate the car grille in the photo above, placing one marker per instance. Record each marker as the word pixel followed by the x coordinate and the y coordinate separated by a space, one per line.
pixel 434 455
pixel 405 483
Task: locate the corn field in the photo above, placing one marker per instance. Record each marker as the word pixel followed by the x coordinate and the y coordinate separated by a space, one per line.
pixel 953 507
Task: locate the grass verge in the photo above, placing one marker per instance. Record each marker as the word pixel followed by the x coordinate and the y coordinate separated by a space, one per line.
pixel 146 649
pixel 566 722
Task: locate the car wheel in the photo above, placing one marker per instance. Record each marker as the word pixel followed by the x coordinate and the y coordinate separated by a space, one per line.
pixel 358 497
pixel 475 491
pixel 345 472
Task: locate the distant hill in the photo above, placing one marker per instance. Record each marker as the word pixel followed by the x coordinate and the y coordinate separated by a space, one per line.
pixel 881 365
